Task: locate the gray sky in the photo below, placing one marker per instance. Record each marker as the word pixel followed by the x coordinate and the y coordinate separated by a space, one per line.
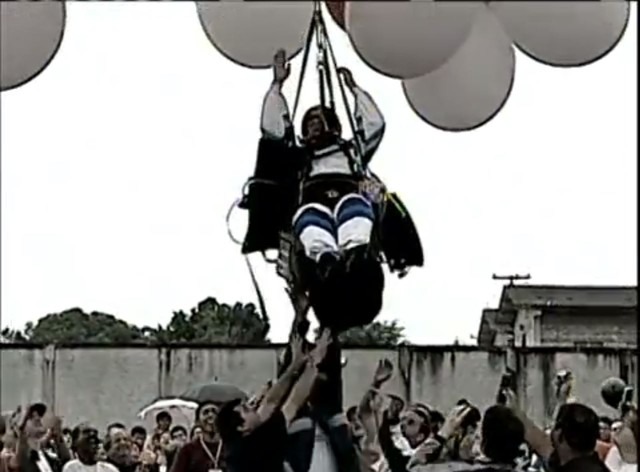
pixel 120 161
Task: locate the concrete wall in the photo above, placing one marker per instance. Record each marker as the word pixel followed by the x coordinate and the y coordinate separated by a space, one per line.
pixel 105 384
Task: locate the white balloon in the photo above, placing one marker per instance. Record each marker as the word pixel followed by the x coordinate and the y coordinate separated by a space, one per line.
pixel 473 86
pixel 564 33
pixel 30 36
pixel 406 39
pixel 251 32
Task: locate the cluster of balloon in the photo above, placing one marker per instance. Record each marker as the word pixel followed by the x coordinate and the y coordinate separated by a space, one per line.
pixel 456 59
pixel 30 36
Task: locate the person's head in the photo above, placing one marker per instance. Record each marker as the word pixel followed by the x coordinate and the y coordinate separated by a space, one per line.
pixel 163 421
pixel 113 427
pixel 196 433
pixel 575 432
pixel 206 415
pixel 437 420
pixel 320 126
pixel 415 425
pixel 236 419
pixel 85 443
pixel 118 445
pixel 502 435
pixel 139 435
pixel 179 435
pixel 35 431
pixel 469 434
pixel 605 429
pixel 165 443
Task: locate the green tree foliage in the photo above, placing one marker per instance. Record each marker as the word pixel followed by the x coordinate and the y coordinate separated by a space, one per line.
pixel 378 333
pixel 209 322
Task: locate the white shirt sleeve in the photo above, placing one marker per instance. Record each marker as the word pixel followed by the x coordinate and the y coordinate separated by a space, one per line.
pixel 275 114
pixel 614 461
pixel 369 121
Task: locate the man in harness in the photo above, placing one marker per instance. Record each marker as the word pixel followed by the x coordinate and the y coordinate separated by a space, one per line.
pixel 335 222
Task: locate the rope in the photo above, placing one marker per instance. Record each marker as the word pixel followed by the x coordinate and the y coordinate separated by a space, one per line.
pixel 343 93
pixel 305 60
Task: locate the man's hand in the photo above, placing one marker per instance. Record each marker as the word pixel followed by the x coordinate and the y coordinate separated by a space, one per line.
pixel 281 69
pixel 454 420
pixel 383 373
pixel 511 399
pixel 395 408
pixel 564 385
pixel 347 76
pixel 322 343
pixel 300 302
pixel 297 350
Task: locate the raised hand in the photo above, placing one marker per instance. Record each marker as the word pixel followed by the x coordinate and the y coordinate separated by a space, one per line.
pixel 383 373
pixel 297 349
pixel 322 343
pixel 281 68
pixel 454 420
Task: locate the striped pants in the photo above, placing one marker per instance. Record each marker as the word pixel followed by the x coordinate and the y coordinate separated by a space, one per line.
pixel 321 229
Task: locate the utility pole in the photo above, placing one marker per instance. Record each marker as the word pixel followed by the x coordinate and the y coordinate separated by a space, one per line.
pixel 511 278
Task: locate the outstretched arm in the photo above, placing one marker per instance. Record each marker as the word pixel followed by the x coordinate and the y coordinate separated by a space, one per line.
pixel 369 119
pixel 275 118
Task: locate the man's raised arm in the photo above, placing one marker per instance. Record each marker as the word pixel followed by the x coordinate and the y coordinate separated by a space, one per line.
pixel 275 118
pixel 369 119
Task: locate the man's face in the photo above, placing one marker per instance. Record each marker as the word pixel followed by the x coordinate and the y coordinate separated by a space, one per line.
pixel 34 429
pixel 250 417
pixel 120 448
pixel 179 437
pixel 139 438
pixel 411 425
pixel 88 444
pixel 315 127
pixel 605 432
pixel 207 418
pixel 164 423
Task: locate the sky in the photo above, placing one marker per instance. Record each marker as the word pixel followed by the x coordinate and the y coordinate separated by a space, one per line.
pixel 120 161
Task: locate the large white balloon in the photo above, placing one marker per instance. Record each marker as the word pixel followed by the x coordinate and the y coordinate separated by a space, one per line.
pixel 564 33
pixel 251 32
pixel 473 86
pixel 406 39
pixel 30 36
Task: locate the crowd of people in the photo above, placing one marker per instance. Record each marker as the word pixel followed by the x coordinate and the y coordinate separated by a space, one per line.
pixel 297 423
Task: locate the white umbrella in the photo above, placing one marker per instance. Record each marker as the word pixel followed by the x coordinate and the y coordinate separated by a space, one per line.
pixel 182 411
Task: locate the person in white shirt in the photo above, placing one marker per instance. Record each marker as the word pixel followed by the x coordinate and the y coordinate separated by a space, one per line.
pixel 335 221
pixel 86 445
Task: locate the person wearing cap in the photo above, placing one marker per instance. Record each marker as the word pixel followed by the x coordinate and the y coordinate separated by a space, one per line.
pixel 85 444
pixel 30 457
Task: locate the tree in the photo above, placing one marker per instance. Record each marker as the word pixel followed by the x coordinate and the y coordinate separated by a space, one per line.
pixel 209 322
pixel 378 333
pixel 212 322
pixel 74 326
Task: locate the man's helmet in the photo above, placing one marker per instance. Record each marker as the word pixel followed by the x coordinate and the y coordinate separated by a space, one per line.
pixel 329 115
